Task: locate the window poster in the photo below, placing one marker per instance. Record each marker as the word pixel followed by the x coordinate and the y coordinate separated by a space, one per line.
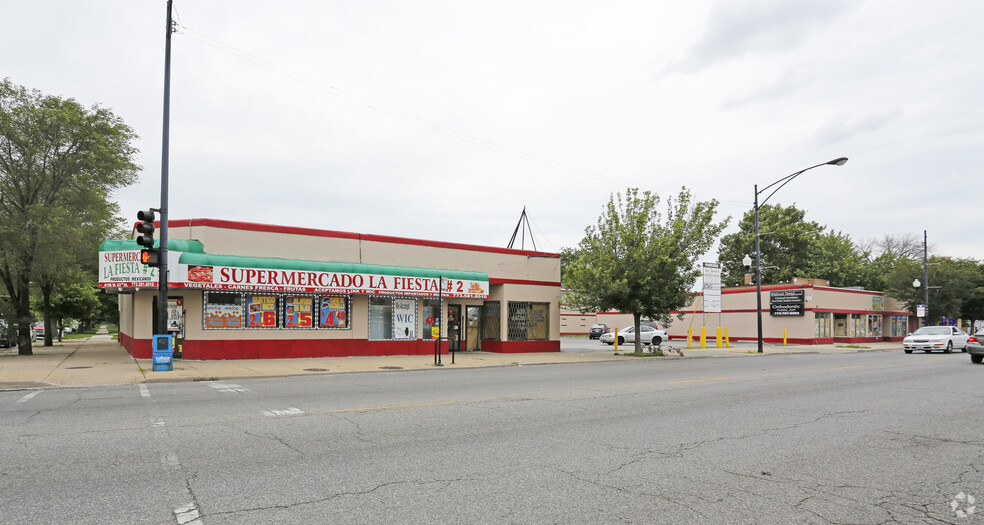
pixel 175 313
pixel 262 311
pixel 298 312
pixel 333 312
pixel 223 315
pixel 404 318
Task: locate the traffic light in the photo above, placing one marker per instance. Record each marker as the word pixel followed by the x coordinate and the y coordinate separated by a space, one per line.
pixel 149 256
pixel 145 228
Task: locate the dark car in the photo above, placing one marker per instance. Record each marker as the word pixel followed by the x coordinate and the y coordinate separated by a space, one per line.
pixel 975 347
pixel 597 330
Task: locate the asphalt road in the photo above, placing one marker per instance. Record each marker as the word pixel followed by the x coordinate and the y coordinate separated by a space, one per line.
pixel 876 437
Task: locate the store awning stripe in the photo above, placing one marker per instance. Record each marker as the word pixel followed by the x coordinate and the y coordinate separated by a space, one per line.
pixel 272 263
pixel 177 245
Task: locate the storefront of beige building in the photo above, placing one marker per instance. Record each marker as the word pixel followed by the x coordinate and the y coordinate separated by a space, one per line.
pixel 245 291
pixel 804 312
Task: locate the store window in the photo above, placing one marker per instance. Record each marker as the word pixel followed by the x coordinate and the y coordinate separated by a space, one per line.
pixel 491 315
pixel 874 326
pixel 299 311
pixel 261 310
pixel 859 327
pixel 333 311
pixel 392 318
pixel 430 311
pixel 223 310
pixel 822 322
pixel 528 321
pixel 900 326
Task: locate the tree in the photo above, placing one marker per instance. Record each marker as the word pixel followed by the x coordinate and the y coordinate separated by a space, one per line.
pixel 954 286
pixel 640 260
pixel 58 159
pixel 834 257
pixel 786 241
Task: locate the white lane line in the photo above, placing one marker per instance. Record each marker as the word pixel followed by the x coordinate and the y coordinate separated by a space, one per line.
pixel 157 423
pixel 289 412
pixel 28 397
pixel 187 515
pixel 222 386
pixel 143 391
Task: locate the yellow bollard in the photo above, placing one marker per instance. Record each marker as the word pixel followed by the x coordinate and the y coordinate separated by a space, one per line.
pixel 783 337
pixel 703 337
pixel 718 338
pixel 690 338
pixel 616 339
pixel 727 339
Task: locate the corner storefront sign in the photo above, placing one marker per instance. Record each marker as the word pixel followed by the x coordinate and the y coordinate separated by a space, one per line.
pixel 280 280
pixel 122 269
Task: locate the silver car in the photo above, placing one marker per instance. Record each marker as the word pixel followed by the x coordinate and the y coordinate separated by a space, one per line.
pixel 648 335
pixel 929 338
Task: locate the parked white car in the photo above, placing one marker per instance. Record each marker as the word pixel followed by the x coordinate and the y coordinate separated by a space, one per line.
pixel 929 338
pixel 648 335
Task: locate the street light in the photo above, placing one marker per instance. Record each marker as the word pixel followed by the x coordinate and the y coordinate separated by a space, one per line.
pixel 840 161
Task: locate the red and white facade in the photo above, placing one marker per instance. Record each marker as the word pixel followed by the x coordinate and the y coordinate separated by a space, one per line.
pixel 244 291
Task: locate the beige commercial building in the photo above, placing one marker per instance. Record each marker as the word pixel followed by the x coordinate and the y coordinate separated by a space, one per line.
pixel 245 291
pixel 807 311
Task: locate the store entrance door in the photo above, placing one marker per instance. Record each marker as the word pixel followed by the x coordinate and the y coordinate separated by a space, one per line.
pixel 454 327
pixel 473 316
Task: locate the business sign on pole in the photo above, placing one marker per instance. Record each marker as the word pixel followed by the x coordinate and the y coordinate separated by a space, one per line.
pixel 712 287
pixel 787 303
pixel 920 310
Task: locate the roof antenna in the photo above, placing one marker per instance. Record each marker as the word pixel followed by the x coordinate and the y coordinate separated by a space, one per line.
pixel 523 220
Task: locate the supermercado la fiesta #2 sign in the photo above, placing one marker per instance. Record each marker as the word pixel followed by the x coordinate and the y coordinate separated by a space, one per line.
pixel 122 269
pixel 285 280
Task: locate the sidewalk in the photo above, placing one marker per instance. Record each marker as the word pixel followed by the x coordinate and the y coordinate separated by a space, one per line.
pixel 100 360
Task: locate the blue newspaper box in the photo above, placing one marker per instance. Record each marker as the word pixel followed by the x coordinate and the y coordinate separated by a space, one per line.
pixel 163 353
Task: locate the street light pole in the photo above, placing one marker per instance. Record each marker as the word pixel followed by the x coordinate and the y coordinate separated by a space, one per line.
pixel 758 272
pixel 925 279
pixel 840 161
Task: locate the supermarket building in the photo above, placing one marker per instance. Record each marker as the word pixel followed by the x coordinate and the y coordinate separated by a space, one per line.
pixel 246 291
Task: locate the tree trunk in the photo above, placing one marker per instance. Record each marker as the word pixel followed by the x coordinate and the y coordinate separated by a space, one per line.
pixel 22 305
pixel 46 288
pixel 636 322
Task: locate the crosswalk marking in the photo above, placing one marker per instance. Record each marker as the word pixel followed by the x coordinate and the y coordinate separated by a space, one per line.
pixel 143 391
pixel 28 396
pixel 288 412
pixel 187 515
pixel 222 386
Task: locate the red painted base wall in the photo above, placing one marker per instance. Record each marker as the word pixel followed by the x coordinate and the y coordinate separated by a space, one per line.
pixel 288 348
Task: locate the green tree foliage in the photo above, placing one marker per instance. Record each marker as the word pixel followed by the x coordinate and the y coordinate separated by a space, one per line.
pixel 794 247
pixel 955 286
pixel 641 260
pixel 834 257
pixel 59 162
pixel 786 241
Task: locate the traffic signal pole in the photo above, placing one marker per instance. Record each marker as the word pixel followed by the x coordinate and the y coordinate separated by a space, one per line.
pixel 162 277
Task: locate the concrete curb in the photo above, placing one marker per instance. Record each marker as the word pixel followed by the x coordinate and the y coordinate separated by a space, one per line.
pixel 100 360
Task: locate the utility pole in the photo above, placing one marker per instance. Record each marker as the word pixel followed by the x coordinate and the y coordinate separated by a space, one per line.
pixel 926 277
pixel 163 276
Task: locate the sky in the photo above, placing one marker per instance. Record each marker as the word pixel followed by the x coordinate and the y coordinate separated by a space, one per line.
pixel 443 120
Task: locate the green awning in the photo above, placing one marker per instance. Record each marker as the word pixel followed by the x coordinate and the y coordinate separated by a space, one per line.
pixel 178 245
pixel 272 263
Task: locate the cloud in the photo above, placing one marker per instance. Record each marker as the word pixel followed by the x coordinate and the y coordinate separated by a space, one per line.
pixel 736 28
pixel 842 126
